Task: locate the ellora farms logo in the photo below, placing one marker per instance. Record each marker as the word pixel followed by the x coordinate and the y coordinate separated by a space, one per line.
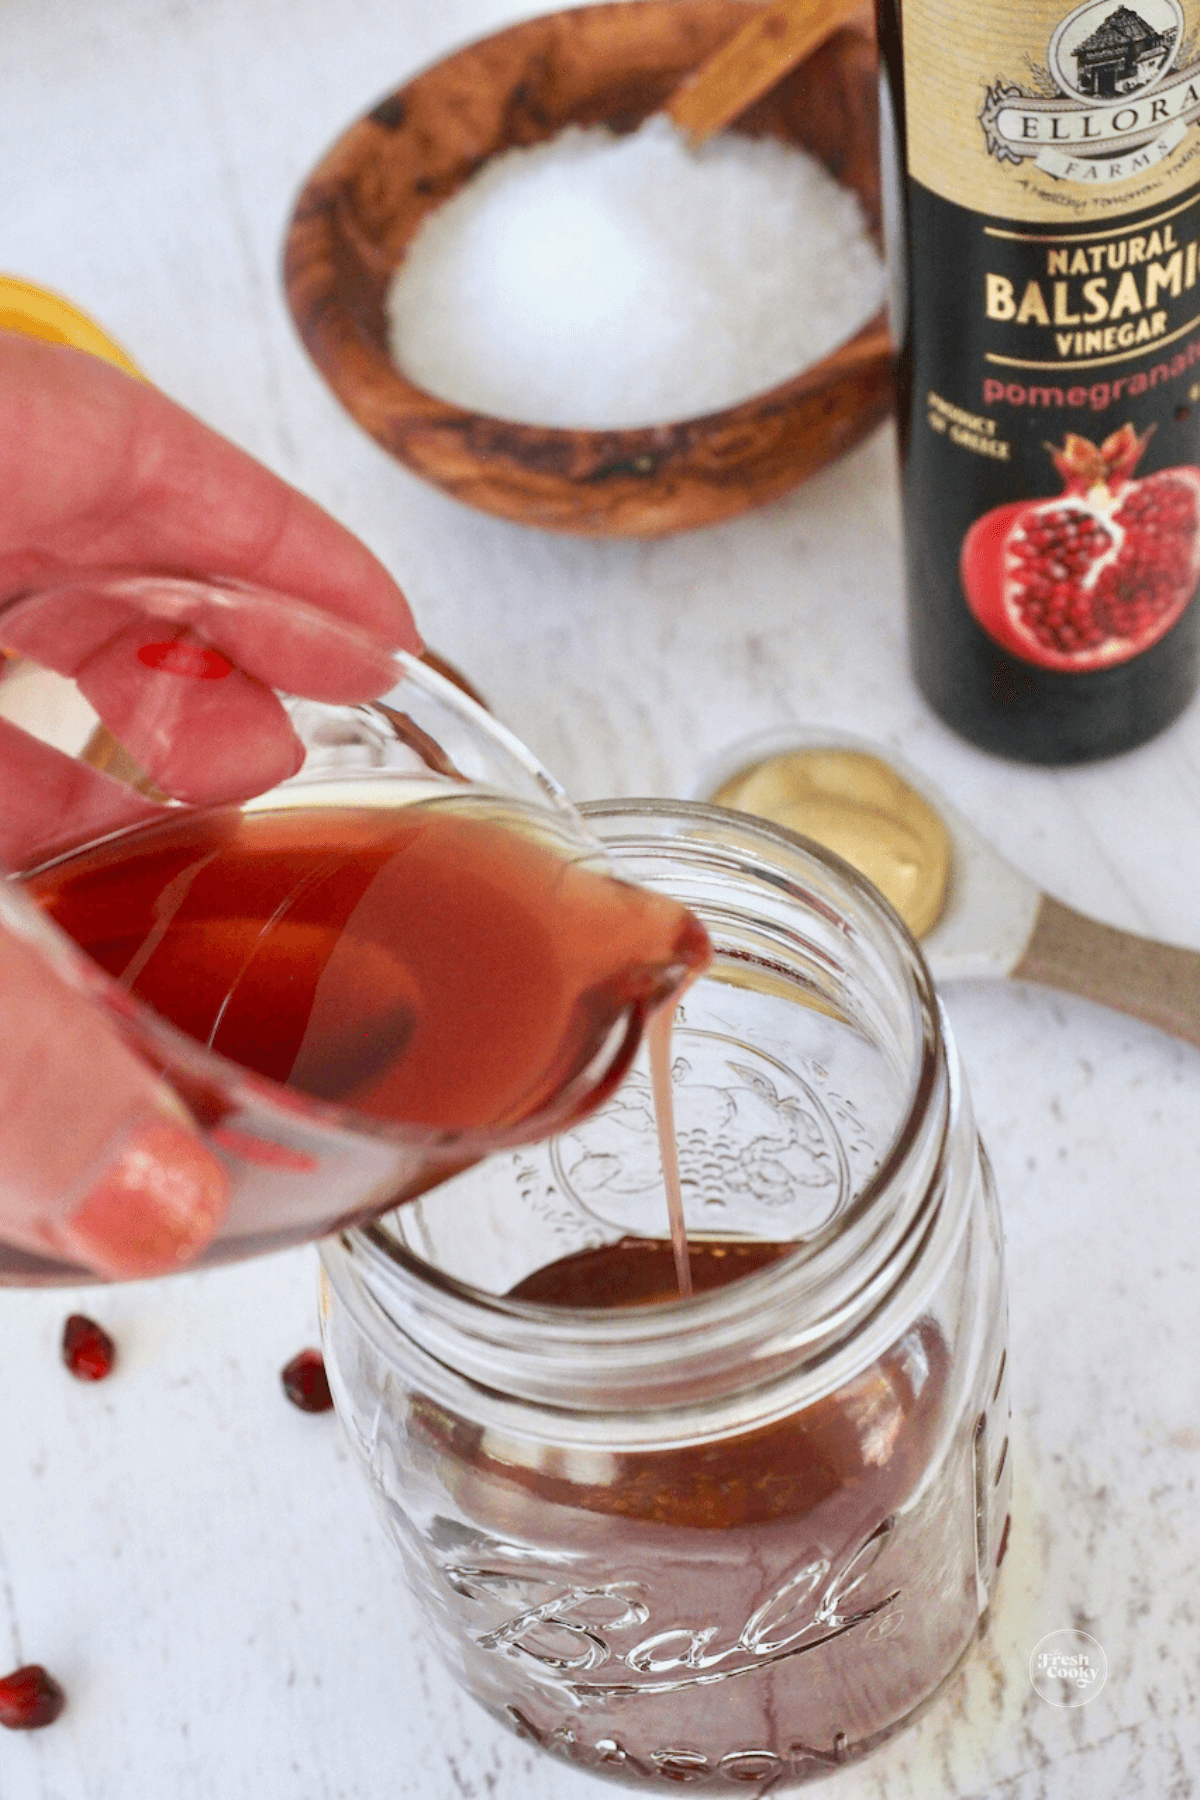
pixel 1112 100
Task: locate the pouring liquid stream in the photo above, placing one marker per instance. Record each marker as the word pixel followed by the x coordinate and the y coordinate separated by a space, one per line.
pixel 658 1043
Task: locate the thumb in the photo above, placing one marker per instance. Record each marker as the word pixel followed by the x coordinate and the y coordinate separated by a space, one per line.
pixel 99 1162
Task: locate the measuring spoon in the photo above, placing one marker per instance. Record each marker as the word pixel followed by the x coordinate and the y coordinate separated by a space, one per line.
pixel 975 915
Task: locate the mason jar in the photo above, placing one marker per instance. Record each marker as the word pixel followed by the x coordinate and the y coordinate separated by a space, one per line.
pixel 748 1534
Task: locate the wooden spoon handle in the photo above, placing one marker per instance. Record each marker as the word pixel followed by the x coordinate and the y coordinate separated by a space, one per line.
pixel 774 40
pixel 1156 982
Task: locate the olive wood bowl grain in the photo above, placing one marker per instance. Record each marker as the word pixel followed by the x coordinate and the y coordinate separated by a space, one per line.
pixel 610 64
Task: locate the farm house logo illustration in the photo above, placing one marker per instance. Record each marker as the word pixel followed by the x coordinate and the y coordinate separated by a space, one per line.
pixel 1120 88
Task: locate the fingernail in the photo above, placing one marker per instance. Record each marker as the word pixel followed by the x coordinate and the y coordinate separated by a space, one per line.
pixel 153 1209
pixel 196 661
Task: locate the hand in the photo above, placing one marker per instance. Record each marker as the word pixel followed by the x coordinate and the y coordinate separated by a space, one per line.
pixel 99 1163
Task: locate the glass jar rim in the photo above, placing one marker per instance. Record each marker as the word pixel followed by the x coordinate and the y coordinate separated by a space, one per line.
pixel 804 1309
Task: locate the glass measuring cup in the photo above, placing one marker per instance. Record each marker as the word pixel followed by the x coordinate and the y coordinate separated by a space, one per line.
pixel 298 1162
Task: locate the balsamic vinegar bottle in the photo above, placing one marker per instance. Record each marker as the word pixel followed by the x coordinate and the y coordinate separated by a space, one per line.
pixel 1043 164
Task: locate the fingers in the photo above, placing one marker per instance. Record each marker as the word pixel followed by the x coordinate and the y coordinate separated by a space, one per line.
pixel 100 1164
pixel 281 641
pixel 100 471
pixel 194 708
pixel 51 801
pixel 203 729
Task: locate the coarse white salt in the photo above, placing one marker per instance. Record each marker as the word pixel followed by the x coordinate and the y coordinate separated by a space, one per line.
pixel 597 280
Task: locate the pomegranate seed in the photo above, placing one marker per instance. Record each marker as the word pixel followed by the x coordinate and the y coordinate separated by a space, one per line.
pixel 29 1699
pixel 87 1349
pixel 306 1384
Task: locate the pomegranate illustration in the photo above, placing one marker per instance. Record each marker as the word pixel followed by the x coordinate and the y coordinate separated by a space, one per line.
pixel 1096 574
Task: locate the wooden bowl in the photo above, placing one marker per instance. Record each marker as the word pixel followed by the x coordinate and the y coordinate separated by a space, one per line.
pixel 609 65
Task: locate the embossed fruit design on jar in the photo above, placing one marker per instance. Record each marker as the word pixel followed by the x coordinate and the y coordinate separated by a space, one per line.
pixel 745 1536
pixel 1097 574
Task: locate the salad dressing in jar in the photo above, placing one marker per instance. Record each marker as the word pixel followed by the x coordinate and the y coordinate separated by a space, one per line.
pixel 750 1533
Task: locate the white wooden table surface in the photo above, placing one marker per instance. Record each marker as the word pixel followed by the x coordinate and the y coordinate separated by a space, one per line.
pixel 195 1559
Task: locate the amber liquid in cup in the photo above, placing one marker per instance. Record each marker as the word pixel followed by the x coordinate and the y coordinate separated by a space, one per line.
pixel 423 965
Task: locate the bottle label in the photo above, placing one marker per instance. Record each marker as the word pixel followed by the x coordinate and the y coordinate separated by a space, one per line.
pixel 1052 404
pixel 1039 112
